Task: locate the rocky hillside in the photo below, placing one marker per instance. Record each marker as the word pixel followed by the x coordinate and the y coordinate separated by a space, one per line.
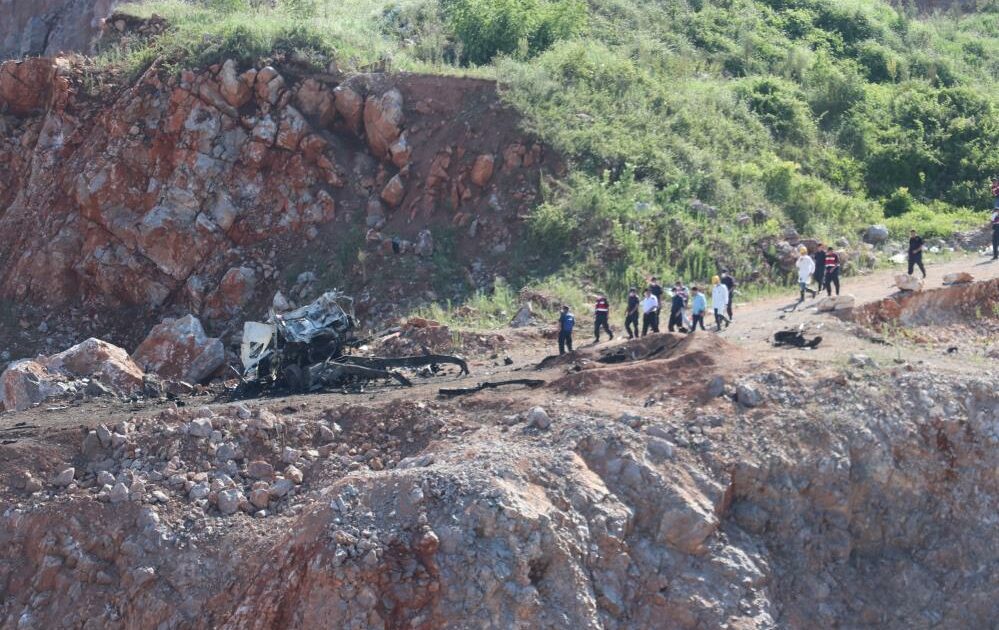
pixel 209 191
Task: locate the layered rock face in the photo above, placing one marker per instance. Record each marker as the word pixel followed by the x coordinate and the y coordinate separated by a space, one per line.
pixel 187 193
pixel 48 27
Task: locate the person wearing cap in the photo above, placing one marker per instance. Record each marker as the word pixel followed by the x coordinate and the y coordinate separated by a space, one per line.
pixel 819 275
pixel 806 267
pixel 650 313
pixel 719 302
pixel 601 315
pixel 916 248
pixel 631 315
pixel 729 282
pixel 698 306
pixel 832 271
pixel 566 322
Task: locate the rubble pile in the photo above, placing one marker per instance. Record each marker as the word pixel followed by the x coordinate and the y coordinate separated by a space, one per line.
pixel 745 512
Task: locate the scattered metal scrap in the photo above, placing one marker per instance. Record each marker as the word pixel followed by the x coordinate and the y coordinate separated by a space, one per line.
pixel 308 350
pixel 461 391
pixel 796 339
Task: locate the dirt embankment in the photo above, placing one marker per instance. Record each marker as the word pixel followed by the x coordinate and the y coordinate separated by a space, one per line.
pixel 210 191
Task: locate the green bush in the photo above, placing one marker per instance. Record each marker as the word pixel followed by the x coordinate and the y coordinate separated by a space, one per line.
pixel 781 107
pixel 899 202
pixel 487 28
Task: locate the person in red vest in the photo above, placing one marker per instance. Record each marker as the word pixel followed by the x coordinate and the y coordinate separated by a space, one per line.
pixel 832 271
pixel 601 315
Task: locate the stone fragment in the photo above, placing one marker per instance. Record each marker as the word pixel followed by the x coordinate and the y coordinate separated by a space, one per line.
pixel 119 493
pixel 906 282
pixel 960 277
pixel 482 169
pixel 235 88
pixel 229 500
pixel 748 395
pixel 200 427
pixel 538 417
pixel 835 303
pixel 383 121
pixel 64 477
pixel 394 191
pixel 350 105
pixel 259 469
pixel 876 234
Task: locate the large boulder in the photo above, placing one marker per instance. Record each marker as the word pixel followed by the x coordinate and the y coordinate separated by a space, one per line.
pixel 99 360
pixel 876 234
pixel 906 282
pixel 31 381
pixel 960 277
pixel 383 121
pixel 25 383
pixel 835 303
pixel 179 349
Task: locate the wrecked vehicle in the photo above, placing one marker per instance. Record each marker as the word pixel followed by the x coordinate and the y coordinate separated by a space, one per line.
pixel 308 349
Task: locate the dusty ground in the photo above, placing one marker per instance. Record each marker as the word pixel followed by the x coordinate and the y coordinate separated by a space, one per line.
pixel 819 489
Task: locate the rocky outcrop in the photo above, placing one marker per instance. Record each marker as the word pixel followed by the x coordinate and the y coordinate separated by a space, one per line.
pixel 179 349
pixel 187 193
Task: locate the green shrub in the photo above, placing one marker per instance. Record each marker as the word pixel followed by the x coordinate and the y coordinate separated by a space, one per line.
pixel 487 28
pixel 899 203
pixel 779 104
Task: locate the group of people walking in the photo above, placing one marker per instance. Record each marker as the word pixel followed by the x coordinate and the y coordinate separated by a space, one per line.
pixel 822 267
pixel 650 305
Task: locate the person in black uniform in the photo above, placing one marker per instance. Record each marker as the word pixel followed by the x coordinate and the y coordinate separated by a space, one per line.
pixel 631 315
pixel 820 267
pixel 729 282
pixel 916 253
pixel 656 290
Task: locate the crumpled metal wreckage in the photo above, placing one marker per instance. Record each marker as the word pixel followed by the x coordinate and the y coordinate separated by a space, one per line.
pixel 308 349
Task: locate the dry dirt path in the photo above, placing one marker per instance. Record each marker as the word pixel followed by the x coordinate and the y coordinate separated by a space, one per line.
pixel 757 321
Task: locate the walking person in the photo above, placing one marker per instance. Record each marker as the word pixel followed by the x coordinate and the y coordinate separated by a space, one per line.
pixel 631 315
pixel 676 308
pixel 657 292
pixel 806 268
pixel 832 271
pixel 698 306
pixel 650 313
pixel 719 302
pixel 916 248
pixel 566 322
pixel 601 315
pixel 729 283
pixel 994 188
pixel 820 267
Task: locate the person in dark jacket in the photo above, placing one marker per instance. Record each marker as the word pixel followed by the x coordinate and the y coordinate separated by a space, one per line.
pixel 832 271
pixel 729 282
pixel 657 292
pixel 820 267
pixel 601 315
pixel 631 316
pixel 566 322
pixel 677 305
pixel 916 253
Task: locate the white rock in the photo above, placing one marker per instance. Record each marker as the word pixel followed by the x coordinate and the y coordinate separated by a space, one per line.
pixel 905 282
pixel 835 303
pixel 200 427
pixel 198 491
pixel 229 501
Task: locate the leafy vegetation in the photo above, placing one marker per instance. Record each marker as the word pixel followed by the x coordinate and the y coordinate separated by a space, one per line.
pixel 693 128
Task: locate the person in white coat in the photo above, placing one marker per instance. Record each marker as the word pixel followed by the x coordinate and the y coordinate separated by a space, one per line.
pixel 719 302
pixel 806 268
